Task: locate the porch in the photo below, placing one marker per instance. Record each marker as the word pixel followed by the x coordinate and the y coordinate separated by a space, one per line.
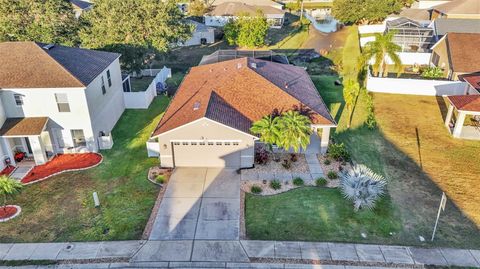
pixel 25 142
pixel 466 123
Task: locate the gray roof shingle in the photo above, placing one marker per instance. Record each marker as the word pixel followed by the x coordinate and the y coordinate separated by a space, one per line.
pixel 444 26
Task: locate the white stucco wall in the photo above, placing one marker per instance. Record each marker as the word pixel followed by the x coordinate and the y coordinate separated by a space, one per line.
pixel 42 103
pixel 416 86
pixel 105 109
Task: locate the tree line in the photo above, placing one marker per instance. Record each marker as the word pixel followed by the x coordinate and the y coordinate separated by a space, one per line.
pixel 138 29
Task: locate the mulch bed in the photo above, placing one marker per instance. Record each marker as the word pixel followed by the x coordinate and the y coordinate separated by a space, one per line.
pixel 7 170
pixel 8 212
pixel 62 163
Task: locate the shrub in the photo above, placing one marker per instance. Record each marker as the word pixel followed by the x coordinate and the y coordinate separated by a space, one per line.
pixel 332 175
pixel 298 181
pixel 275 184
pixel 371 122
pixel 256 189
pixel 261 156
pixel 327 162
pixel 160 179
pixel 338 152
pixel 321 181
pixel 293 157
pixel 362 186
pixel 432 72
pixel 287 164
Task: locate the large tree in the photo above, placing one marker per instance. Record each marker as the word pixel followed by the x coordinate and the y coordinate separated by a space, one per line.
pixel 355 11
pixel 48 21
pixel 136 27
pixel 247 30
pixel 382 47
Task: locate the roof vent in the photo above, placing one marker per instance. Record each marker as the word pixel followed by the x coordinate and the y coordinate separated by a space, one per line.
pixel 48 46
pixel 286 85
pixel 239 65
pixel 224 69
pixel 196 106
pixel 254 65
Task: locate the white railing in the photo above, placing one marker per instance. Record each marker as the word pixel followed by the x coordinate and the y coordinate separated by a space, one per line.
pixel 416 86
pixel 142 100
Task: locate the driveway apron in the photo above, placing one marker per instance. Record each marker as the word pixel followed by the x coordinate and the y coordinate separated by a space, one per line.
pixel 199 203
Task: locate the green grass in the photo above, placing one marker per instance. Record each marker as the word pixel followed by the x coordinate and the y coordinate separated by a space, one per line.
pixel 316 214
pixel 351 52
pixel 175 80
pixel 61 208
pixel 291 43
pixel 140 84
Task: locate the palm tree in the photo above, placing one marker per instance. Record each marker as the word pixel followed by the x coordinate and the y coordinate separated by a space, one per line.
pixel 295 130
pixel 351 89
pixel 9 187
pixel 362 186
pixel 380 48
pixel 268 130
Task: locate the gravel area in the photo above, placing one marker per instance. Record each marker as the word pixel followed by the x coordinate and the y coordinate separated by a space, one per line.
pixel 300 166
pixel 246 186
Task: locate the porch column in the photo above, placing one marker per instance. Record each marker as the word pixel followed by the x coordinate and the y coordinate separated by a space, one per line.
pixel 457 130
pixel 325 139
pixel 38 149
pixel 448 118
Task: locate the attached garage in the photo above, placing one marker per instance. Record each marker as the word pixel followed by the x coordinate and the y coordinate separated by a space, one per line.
pixel 207 153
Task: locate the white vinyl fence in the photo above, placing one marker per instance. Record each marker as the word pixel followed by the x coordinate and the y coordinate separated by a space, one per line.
pixel 153 148
pixel 416 86
pixel 142 100
pixel 410 58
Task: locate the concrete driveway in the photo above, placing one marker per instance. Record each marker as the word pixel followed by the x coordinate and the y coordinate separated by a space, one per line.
pixel 199 203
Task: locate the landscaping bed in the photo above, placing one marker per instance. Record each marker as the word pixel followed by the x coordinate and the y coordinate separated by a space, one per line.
pixel 62 163
pixel 7 170
pixel 158 175
pixel 9 212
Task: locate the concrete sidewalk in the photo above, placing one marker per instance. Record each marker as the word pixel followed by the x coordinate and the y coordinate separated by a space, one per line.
pixel 191 252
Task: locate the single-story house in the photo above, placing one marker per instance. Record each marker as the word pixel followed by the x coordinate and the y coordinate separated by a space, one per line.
pixel 457 9
pixel 80 6
pixel 201 35
pixel 208 121
pixel 457 54
pixel 223 13
pixel 57 99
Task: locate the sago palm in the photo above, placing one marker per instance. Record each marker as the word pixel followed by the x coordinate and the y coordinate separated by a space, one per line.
pixel 295 130
pixel 9 187
pixel 378 49
pixel 362 186
pixel 268 130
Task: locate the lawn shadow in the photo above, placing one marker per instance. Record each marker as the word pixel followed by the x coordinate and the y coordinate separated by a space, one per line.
pixel 442 105
pixel 415 195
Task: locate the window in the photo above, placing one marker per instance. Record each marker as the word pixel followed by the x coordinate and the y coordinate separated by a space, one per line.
pixel 202 143
pixel 193 143
pixel 185 143
pixel 235 143
pixel 219 143
pixel 435 58
pixel 62 102
pixel 104 90
pixel 227 143
pixel 18 99
pixel 176 143
pixel 210 143
pixel 109 78
pixel 78 138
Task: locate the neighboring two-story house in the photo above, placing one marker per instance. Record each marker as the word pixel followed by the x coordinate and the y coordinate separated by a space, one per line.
pixel 57 99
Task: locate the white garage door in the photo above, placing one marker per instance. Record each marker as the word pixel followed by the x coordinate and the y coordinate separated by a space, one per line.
pixel 207 154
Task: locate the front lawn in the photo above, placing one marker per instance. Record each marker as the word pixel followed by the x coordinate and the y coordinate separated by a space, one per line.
pixel 317 214
pixel 61 208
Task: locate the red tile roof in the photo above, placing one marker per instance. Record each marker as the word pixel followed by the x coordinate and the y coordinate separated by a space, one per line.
pixel 466 102
pixel 241 91
pixel 472 79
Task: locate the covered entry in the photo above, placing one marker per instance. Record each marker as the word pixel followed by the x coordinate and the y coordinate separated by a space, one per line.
pixel 466 124
pixel 218 153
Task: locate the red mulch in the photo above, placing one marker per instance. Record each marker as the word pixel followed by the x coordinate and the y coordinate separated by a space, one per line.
pixel 7 170
pixel 62 162
pixel 7 213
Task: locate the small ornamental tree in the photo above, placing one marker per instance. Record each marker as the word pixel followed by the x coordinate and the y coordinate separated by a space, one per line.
pixel 351 89
pixel 268 129
pixel 9 188
pixel 247 30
